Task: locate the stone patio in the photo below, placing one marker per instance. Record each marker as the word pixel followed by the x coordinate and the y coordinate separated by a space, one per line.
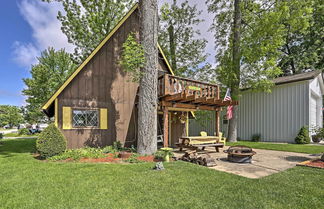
pixel 264 163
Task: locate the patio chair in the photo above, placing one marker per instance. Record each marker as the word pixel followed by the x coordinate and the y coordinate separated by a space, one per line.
pixel 222 139
pixel 203 133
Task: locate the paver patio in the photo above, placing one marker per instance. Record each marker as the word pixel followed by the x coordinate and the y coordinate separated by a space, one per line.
pixel 264 163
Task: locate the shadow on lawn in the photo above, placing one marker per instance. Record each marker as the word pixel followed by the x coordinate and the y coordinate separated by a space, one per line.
pixel 11 146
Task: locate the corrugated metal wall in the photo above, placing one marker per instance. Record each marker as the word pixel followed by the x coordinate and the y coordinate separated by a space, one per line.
pixel 207 124
pixel 277 116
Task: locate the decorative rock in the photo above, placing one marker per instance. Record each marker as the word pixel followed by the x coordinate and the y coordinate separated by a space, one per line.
pixel 158 166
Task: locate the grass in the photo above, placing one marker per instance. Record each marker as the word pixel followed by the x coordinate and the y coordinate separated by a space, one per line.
pixel 17 135
pixel 29 183
pixel 302 148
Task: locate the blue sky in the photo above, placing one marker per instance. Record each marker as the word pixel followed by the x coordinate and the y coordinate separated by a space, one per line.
pixel 14 29
pixel 29 27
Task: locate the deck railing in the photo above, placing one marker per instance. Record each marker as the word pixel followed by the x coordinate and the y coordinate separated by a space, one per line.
pixel 171 85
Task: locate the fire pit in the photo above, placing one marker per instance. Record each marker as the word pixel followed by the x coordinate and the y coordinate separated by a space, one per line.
pixel 240 154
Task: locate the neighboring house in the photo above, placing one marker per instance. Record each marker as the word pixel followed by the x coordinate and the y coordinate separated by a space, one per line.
pixel 96 105
pixel 295 101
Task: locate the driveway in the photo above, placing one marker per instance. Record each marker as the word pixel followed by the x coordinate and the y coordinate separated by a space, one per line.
pixel 264 163
pixel 7 131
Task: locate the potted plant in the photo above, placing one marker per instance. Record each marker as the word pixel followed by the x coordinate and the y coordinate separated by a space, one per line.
pixel 318 134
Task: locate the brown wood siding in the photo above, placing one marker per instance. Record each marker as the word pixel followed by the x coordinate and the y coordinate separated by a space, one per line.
pixel 102 84
pixel 178 129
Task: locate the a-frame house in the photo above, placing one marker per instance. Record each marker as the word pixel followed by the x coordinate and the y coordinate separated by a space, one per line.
pixel 96 105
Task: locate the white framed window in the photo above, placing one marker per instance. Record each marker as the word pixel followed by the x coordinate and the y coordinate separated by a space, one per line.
pixel 83 118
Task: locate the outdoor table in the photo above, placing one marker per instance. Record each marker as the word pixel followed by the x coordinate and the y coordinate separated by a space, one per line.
pixel 200 141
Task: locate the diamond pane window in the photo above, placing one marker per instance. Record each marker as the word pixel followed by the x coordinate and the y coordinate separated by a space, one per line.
pixel 85 118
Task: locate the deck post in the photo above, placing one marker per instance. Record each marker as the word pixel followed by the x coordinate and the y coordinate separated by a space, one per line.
pixel 166 127
pixel 217 123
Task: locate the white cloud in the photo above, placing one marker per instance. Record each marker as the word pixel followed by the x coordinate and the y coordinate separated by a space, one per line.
pixel 46 31
pixel 25 53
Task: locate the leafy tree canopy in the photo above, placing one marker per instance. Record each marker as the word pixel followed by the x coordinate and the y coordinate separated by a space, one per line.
pixel 10 115
pixel 87 22
pixel 133 57
pixel 269 30
pixel 51 71
pixel 181 41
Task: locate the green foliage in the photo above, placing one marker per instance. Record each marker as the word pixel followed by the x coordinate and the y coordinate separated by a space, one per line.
pixel 10 115
pixel 52 70
pixel 133 57
pixel 256 137
pixel 23 131
pixel 201 116
pixel 50 142
pixel 133 158
pixel 303 136
pixel 77 154
pixel 87 22
pixel 160 154
pixel 181 41
pixel 1 135
pixel 318 134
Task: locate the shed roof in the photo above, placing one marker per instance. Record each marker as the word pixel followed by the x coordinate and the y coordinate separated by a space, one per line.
pixel 51 100
pixel 296 77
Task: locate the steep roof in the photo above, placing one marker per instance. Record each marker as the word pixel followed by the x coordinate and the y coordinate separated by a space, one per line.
pixel 51 100
pixel 296 77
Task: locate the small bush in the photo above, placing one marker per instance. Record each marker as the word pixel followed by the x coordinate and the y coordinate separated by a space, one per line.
pixel 303 136
pixel 1 135
pixel 256 137
pixel 133 159
pixel 77 154
pixel 23 131
pixel 159 155
pixel 50 142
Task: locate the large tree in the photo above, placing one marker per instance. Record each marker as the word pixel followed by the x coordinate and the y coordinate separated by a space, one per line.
pixel 303 47
pixel 181 40
pixel 248 37
pixel 47 75
pixel 10 115
pixel 87 22
pixel 147 103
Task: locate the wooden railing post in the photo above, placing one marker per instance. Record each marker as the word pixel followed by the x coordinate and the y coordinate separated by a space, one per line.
pixel 166 127
pixel 166 84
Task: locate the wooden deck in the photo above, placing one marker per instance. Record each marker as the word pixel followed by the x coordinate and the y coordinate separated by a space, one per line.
pixel 183 93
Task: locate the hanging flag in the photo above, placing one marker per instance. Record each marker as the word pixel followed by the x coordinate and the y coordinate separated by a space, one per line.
pixel 229 113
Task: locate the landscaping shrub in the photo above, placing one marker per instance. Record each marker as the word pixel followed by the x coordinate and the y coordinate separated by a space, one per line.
pixel 1 135
pixel 23 131
pixel 50 142
pixel 303 136
pixel 256 137
pixel 77 154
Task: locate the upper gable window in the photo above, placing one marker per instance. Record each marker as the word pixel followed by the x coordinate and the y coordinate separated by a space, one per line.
pixel 85 118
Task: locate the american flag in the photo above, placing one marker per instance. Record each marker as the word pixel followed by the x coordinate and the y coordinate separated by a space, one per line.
pixel 229 113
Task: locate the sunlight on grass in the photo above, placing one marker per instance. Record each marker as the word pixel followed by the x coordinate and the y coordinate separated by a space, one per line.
pixel 29 183
pixel 302 148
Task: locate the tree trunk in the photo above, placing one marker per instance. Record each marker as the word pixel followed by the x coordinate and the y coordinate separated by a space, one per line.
pixel 172 43
pixel 147 104
pixel 232 126
pixel 172 47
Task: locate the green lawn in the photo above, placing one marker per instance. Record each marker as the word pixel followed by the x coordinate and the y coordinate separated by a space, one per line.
pixel 302 148
pixel 28 183
pixel 17 135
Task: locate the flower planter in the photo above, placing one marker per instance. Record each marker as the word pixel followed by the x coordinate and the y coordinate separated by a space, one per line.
pixel 125 155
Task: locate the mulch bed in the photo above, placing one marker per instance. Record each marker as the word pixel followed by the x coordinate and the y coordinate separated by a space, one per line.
pixel 317 163
pixel 110 158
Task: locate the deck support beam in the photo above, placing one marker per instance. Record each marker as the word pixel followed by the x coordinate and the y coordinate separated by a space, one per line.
pixel 166 126
pixel 217 122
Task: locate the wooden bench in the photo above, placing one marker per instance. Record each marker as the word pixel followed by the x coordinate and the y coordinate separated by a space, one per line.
pixel 216 145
